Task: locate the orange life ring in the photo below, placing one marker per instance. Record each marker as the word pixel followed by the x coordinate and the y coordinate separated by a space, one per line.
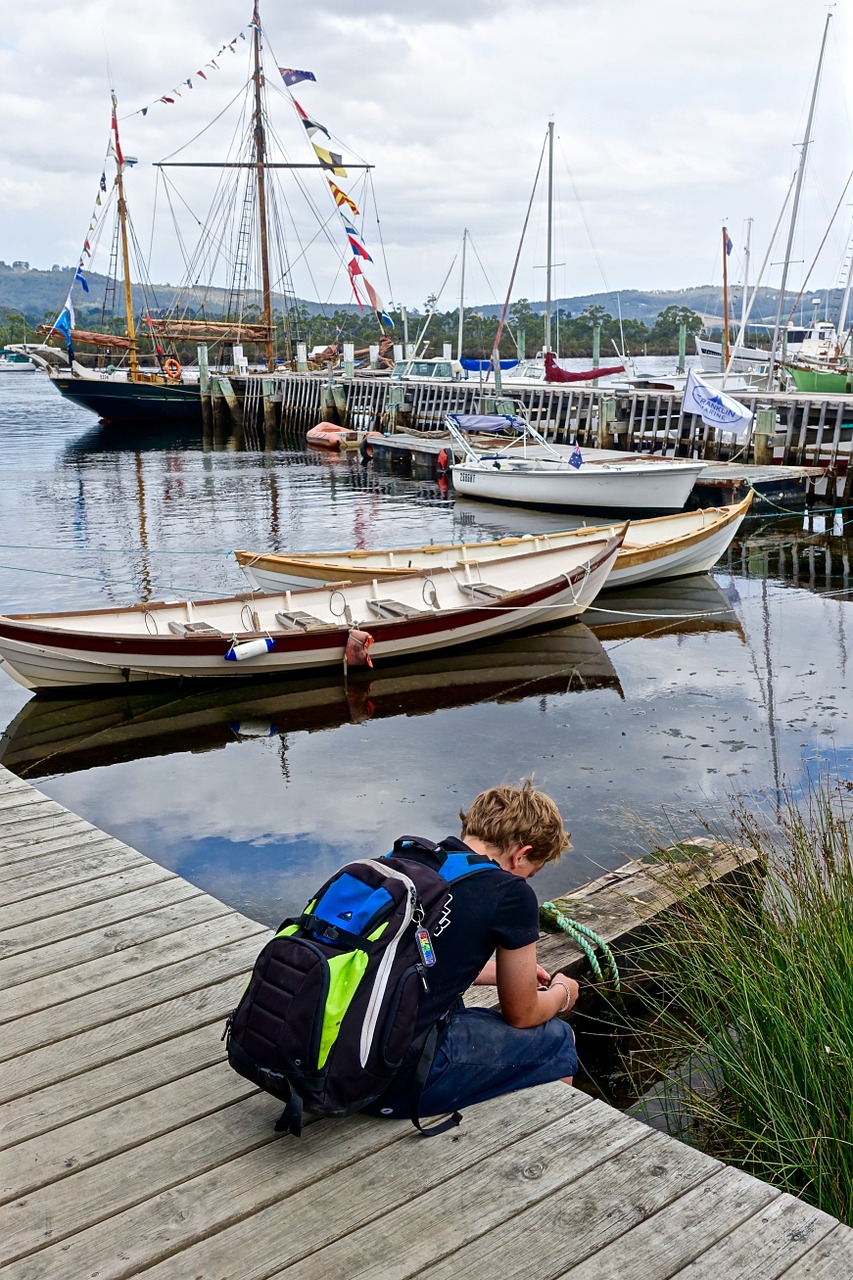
pixel 172 369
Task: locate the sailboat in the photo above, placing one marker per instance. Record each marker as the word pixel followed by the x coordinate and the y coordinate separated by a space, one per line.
pixel 544 366
pixel 141 378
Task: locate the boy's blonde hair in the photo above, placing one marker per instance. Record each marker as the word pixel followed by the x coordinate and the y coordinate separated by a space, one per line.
pixel 511 815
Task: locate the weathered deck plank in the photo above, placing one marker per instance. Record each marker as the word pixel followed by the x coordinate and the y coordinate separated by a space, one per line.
pixel 80 952
pixel 130 1149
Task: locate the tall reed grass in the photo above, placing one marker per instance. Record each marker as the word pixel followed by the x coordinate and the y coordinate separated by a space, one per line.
pixel 758 1004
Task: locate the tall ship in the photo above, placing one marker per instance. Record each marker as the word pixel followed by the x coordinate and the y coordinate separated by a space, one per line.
pixel 148 363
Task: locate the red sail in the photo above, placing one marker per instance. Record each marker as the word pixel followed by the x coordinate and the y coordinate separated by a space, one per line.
pixel 553 372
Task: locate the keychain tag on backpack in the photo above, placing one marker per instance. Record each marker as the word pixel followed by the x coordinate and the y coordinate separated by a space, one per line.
pixel 425 947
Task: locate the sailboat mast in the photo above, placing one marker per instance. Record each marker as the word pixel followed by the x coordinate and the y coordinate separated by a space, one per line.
pixel 260 166
pixel 125 252
pixel 795 207
pixel 747 253
pixel 550 235
pixel 725 298
pixel 461 297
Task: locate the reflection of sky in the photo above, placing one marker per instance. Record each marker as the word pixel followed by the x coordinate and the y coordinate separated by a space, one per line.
pixel 260 821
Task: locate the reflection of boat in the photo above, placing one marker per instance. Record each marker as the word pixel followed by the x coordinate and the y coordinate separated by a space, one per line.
pixel 681 607
pixel 662 547
pixel 57 735
pixel 302 630
pixel 603 481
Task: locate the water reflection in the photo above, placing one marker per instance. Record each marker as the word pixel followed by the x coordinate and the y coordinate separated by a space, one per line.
pixel 51 734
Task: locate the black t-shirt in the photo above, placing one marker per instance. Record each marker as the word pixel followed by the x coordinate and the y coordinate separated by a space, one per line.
pixel 481 912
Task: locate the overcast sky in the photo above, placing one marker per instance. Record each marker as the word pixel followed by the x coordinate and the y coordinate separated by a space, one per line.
pixel 671 118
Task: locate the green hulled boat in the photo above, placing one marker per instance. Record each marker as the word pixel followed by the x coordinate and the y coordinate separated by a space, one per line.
pixel 830 381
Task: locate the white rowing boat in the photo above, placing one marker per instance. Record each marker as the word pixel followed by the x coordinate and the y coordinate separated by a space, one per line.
pixel 653 550
pixel 296 631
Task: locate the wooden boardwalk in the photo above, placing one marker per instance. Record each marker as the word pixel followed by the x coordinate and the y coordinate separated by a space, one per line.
pixel 129 1148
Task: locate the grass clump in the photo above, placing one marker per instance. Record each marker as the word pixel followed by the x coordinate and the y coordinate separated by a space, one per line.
pixel 758 1004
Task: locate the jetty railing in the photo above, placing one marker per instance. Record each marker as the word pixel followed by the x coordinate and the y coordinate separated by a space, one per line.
pixel 792 429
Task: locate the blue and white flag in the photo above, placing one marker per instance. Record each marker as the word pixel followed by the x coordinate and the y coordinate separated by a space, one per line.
pixel 81 279
pixel 715 407
pixel 576 457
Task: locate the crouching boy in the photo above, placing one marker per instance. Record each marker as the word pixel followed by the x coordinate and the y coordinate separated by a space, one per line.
pixel 487 934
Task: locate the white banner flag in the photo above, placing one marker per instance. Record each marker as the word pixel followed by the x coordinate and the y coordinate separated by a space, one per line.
pixel 715 408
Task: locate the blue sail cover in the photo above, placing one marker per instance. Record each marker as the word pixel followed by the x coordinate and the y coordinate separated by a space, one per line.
pixel 486 422
pixel 477 366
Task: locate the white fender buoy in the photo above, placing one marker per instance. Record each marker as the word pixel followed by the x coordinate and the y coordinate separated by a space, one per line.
pixel 249 649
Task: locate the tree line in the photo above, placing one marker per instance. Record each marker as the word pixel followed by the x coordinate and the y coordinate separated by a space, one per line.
pixel 522 334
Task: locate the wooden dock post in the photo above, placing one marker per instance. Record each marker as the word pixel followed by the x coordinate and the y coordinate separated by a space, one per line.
pixel 328 410
pixel 762 435
pixel 606 436
pixel 204 389
pixel 267 391
pixel 230 397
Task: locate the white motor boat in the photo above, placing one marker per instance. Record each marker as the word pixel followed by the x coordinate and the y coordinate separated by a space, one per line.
pixel 604 481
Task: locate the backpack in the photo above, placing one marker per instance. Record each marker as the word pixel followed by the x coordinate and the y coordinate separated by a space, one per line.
pixel 329 1014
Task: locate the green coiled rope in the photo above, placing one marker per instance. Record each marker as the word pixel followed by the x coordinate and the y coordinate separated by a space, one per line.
pixel 588 940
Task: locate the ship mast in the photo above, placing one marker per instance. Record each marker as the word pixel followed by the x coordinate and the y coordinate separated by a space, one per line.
pixel 726 243
pixel 461 298
pixel 125 252
pixel 550 234
pixel 260 165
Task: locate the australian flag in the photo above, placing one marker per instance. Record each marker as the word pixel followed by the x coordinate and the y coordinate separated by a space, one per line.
pixel 291 76
pixel 576 457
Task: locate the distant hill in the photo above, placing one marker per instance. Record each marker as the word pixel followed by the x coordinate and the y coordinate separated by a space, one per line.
pixel 34 293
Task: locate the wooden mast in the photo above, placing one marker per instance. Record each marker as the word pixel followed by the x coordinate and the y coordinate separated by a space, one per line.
pixel 125 253
pixel 260 163
pixel 726 243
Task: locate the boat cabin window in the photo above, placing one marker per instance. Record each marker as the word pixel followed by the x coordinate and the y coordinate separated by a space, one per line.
pixel 796 335
pixel 426 369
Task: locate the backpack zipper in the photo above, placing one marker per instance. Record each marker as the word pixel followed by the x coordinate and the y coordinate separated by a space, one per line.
pixel 371 1018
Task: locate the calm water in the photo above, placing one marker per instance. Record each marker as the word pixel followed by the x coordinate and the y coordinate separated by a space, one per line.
pixel 731 683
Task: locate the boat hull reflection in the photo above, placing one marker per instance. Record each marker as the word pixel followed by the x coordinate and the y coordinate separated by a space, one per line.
pixel 680 607
pixel 65 735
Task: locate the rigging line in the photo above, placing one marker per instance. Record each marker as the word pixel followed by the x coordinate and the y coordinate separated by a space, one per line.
pixel 497 341
pixel 240 92
pixel 482 268
pixel 434 308
pixel 381 238
pixel 584 219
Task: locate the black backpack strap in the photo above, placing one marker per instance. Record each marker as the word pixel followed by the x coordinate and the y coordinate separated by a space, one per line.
pixel 419 1079
pixel 290 1120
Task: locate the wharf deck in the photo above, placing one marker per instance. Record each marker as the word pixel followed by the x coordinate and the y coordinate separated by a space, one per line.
pixel 130 1148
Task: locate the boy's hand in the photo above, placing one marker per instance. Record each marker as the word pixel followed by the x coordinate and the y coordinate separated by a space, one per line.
pixel 543 977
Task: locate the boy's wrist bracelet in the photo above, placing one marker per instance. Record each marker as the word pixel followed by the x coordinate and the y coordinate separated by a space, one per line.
pixel 555 982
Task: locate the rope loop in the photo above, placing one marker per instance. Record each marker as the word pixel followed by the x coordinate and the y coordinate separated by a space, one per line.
pixel 588 940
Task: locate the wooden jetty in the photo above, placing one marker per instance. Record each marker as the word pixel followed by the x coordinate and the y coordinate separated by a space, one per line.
pixel 130 1148
pixel 790 428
